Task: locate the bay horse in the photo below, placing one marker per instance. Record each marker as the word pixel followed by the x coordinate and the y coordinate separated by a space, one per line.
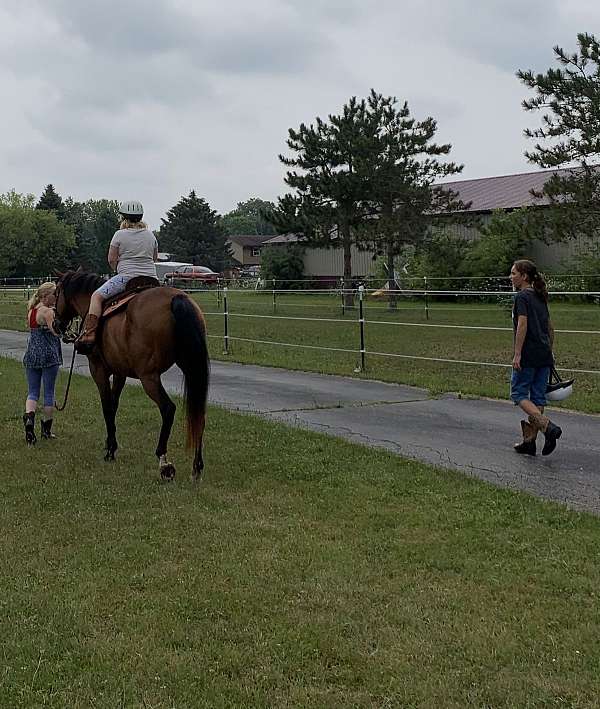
pixel 160 327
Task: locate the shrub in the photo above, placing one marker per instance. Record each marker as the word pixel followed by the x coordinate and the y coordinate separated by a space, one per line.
pixel 284 264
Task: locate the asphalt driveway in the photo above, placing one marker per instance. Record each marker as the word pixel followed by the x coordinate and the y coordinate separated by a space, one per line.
pixel 474 436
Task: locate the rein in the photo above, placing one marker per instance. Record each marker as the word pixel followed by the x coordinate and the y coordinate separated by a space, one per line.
pixel 69 337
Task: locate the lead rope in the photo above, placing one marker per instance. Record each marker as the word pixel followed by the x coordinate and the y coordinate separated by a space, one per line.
pixel 71 339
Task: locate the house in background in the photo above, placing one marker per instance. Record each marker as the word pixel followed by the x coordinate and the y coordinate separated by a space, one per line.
pixel 246 249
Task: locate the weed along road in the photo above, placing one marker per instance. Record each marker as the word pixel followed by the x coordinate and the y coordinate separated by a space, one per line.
pixel 474 436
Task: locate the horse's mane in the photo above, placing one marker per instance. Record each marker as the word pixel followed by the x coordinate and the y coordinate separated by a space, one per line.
pixel 80 281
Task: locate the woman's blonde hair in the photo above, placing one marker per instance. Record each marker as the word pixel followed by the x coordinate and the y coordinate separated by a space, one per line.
pixel 127 224
pixel 46 288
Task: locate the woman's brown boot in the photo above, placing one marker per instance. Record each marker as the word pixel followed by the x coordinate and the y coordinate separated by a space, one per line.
pixel 551 431
pixel 527 445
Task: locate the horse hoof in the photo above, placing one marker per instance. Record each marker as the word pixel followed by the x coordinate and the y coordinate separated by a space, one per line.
pixel 167 472
pixel 109 457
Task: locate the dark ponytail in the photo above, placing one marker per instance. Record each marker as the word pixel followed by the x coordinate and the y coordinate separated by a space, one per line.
pixel 529 269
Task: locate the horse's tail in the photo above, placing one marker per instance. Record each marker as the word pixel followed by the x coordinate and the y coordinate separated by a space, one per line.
pixel 191 356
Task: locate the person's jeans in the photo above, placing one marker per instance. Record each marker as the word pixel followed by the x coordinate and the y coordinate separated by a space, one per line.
pixel 113 286
pixel 36 376
pixel 530 383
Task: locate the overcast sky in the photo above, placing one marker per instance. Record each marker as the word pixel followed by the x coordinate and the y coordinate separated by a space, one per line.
pixel 132 99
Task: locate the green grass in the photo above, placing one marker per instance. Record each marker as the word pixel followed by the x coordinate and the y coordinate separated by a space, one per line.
pixel 572 350
pixel 302 572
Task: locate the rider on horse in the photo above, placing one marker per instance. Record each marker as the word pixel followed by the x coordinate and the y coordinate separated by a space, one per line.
pixel 132 252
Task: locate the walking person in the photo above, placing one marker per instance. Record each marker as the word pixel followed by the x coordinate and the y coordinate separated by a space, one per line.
pixel 42 360
pixel 132 252
pixel 533 359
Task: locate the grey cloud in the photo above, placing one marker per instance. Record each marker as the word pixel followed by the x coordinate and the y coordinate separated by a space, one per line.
pixel 226 43
pixel 508 34
pixel 331 12
pixel 123 27
pixel 99 131
pixel 104 57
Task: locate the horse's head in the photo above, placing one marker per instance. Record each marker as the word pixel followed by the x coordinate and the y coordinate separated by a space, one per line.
pixel 65 311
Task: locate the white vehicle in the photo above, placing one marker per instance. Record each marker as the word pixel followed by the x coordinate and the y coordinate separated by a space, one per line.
pixel 164 267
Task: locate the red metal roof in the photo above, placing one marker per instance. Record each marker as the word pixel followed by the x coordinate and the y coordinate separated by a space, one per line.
pixel 503 192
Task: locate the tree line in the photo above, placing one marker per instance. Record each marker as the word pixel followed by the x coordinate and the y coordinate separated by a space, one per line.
pixel 37 238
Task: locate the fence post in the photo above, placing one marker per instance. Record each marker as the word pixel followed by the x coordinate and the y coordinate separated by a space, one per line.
pixel 342 294
pixel 361 323
pixel 426 299
pixel 274 297
pixel 218 292
pixel 226 322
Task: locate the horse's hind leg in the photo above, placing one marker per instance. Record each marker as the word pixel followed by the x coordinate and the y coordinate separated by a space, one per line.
pixel 155 390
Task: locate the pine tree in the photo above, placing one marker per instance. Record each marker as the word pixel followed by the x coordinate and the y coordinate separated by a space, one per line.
pixel 193 232
pixel 570 135
pixel 52 202
pixel 403 199
pixel 328 205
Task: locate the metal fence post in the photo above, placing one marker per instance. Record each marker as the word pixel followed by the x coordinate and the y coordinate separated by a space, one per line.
pixel 361 323
pixel 274 297
pixel 342 294
pixel 426 299
pixel 226 322
pixel 218 292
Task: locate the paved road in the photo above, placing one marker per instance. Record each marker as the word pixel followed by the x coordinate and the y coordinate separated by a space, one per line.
pixel 471 435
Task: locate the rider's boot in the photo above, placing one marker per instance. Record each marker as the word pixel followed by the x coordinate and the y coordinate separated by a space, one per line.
pixel 86 341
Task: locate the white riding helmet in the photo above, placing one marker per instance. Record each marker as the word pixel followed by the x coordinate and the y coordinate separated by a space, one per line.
pixel 131 208
pixel 557 389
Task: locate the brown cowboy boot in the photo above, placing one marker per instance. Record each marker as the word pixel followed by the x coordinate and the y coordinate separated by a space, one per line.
pixel 551 431
pixel 86 341
pixel 527 445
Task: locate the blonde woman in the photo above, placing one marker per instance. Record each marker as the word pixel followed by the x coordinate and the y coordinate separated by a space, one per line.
pixel 132 252
pixel 42 360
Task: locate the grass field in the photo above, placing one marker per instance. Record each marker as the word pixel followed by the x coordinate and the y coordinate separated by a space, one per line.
pixel 302 572
pixel 572 350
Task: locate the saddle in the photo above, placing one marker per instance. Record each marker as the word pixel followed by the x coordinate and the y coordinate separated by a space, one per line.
pixel 134 287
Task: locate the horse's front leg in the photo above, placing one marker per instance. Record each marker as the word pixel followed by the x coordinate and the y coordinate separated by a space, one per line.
pixel 102 378
pixel 155 390
pixel 118 382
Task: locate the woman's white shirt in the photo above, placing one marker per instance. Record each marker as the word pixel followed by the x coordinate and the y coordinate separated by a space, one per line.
pixel 136 249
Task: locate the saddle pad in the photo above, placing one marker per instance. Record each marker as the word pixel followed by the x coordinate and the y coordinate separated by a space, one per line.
pixel 114 307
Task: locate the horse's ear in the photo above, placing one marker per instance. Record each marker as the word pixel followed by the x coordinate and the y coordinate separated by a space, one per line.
pixel 79 269
pixel 58 274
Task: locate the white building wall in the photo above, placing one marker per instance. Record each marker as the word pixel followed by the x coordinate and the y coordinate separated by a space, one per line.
pixel 330 262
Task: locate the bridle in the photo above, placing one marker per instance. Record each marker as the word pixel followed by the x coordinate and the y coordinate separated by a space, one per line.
pixel 68 335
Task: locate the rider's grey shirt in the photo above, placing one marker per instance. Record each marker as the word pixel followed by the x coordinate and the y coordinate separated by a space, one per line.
pixel 136 252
